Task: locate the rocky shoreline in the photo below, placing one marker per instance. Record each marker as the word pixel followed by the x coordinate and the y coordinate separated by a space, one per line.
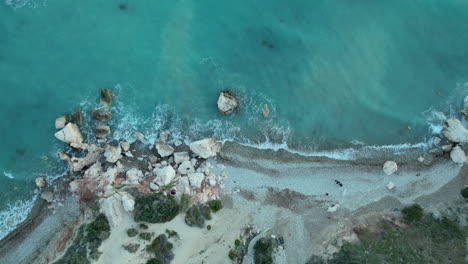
pixel 113 178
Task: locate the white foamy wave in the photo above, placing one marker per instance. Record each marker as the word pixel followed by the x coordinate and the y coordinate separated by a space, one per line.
pixel 14 215
pixel 25 3
pixel 8 174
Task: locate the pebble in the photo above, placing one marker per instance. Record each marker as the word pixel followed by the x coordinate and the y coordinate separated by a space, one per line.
pixel 421 159
pixel 164 163
pixel 390 185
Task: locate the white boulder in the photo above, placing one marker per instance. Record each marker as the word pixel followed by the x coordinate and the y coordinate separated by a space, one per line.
pixel 333 208
pixel 41 182
pixel 180 157
pixel 458 155
pixel 227 102
pixel 390 185
pixel 112 208
pixel 455 131
pixel 390 167
pixel 196 179
pixel 125 146
pixel 70 134
pixel 62 121
pixel 102 131
pixel 128 202
pixel 113 153
pixel 206 148
pixel 139 136
pixel 186 168
pixel 164 150
pixel 77 164
pixel 48 196
pixel 134 176
pixel 164 175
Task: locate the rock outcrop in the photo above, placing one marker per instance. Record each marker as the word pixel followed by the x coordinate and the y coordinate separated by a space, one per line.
pixel 77 164
pixel 206 148
pixel 390 167
pixel 106 97
pixel 41 182
pixel 62 121
pixel 101 115
pixel 458 155
pixel 70 134
pixel 113 209
pixel 455 131
pixel 113 153
pixel 164 175
pixel 227 102
pixel 77 117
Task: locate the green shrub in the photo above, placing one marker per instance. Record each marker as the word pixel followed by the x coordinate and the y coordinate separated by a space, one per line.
pixel 205 210
pixel 237 243
pixel 145 236
pixel 194 218
pixel 413 213
pixel 131 232
pixel 132 248
pixel 263 251
pixel 162 249
pixel 143 226
pixel 171 233
pixel 464 192
pixel 185 201
pixel 154 261
pixel 155 208
pixel 232 255
pixel 208 227
pixel 215 205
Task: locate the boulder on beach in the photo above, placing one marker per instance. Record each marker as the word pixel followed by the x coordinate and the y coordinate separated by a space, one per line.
pixel 101 115
pixel 458 155
pixel 77 117
pixel 70 134
pixel 455 131
pixel 128 202
pixel 134 175
pixel 125 146
pixel 164 150
pixel 196 179
pixel 164 175
pixel 180 157
pixel 390 167
pixel 227 102
pixel 41 182
pixel 206 148
pixel 185 168
pixel 62 121
pixel 102 131
pixel 113 153
pixel 106 97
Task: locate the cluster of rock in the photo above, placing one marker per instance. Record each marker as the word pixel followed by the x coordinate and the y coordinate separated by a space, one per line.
pixel 457 136
pixel 109 169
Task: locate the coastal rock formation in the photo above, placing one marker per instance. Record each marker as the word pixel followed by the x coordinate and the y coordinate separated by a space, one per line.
pixel 206 148
pixel 455 131
pixel 227 102
pixel 180 157
pixel 41 182
pixel 164 175
pixel 112 208
pixel 196 179
pixel 164 150
pixel 458 155
pixel 102 131
pixel 77 164
pixel 390 167
pixel 185 168
pixel 101 115
pixel 62 121
pixel 70 134
pixel 113 153
pixel 106 97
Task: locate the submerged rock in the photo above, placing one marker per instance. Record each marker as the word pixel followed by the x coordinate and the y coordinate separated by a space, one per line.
pixel 266 111
pixel 106 97
pixel 41 182
pixel 77 117
pixel 390 167
pixel 113 153
pixel 206 148
pixel 458 155
pixel 227 102
pixel 62 121
pixel 101 115
pixel 70 134
pixel 102 131
pixel 455 131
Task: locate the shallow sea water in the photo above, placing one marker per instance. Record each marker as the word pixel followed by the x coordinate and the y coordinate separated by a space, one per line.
pixel 333 72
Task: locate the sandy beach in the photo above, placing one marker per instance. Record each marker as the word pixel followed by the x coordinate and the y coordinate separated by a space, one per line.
pixel 277 193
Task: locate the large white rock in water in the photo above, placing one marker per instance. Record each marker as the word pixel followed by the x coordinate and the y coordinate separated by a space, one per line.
pixel 164 175
pixel 458 155
pixel 206 148
pixel 70 134
pixel 390 167
pixel 128 202
pixel 112 208
pixel 164 150
pixel 113 153
pixel 455 131
pixel 62 121
pixel 180 157
pixel 196 179
pixel 227 102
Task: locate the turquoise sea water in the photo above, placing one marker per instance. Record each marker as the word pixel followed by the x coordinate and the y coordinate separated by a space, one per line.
pixel 333 72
